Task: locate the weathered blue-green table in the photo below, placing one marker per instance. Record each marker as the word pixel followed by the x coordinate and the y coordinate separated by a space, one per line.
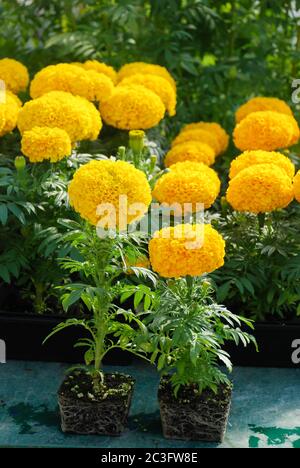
pixel 265 409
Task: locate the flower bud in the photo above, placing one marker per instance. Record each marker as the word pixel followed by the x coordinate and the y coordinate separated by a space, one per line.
pixel 20 163
pixel 122 152
pixel 136 141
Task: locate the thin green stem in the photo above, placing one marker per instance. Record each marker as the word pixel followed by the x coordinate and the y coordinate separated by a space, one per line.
pixel 136 158
pixel 190 284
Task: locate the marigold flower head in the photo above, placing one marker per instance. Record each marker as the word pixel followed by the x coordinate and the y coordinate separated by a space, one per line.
pixel 101 86
pixel 103 182
pixel 266 130
pixel 146 69
pixel 188 182
pixel 14 97
pixel 259 189
pixel 262 103
pixel 101 67
pixel 250 158
pixel 212 127
pixel 186 250
pixel 89 84
pixel 296 186
pixel 14 74
pixel 77 116
pixel 201 135
pixel 45 143
pixel 158 85
pixel 10 110
pixel 132 107
pixel 194 151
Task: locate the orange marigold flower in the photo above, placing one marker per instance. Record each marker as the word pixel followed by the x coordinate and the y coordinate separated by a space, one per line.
pixel 158 85
pixel 186 250
pixel 265 130
pixel 194 151
pixel 146 69
pixel 212 127
pixel 262 103
pixel 201 135
pixel 103 182
pixel 250 158
pixel 188 183
pixel 259 189
pixel 132 107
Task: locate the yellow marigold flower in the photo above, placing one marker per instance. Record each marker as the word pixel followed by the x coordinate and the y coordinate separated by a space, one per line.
pixel 186 250
pixel 77 116
pixel 201 135
pixel 10 109
pixel 194 151
pixel 132 108
pixel 158 85
pixel 146 69
pixel 103 182
pixel 73 79
pixel 296 186
pixel 259 189
pixel 14 74
pixel 261 103
pixel 101 67
pixel 265 130
pixel 14 97
pixel 188 182
pixel 42 143
pixel 212 127
pixel 250 158
pixel 101 86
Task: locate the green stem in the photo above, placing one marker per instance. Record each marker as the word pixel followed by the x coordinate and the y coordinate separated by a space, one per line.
pixel 190 283
pixel 136 158
pixel 102 256
pixel 39 303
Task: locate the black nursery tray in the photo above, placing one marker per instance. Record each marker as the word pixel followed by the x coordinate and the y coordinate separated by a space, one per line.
pixel 24 334
pixel 279 346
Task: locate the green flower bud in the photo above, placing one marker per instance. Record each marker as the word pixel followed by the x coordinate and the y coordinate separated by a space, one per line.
pixel 20 163
pixel 136 141
pixel 122 152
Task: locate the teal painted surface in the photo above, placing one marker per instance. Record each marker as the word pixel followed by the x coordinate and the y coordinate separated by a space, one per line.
pixel 265 409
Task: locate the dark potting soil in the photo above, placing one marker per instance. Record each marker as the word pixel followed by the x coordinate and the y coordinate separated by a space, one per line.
pixel 193 415
pixel 85 410
pixel 79 384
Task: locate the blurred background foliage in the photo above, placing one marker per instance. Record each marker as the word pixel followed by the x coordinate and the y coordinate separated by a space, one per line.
pixel 220 52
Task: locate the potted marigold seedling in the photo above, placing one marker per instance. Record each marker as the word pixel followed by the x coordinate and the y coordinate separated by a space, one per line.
pixel 187 330
pixel 91 401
